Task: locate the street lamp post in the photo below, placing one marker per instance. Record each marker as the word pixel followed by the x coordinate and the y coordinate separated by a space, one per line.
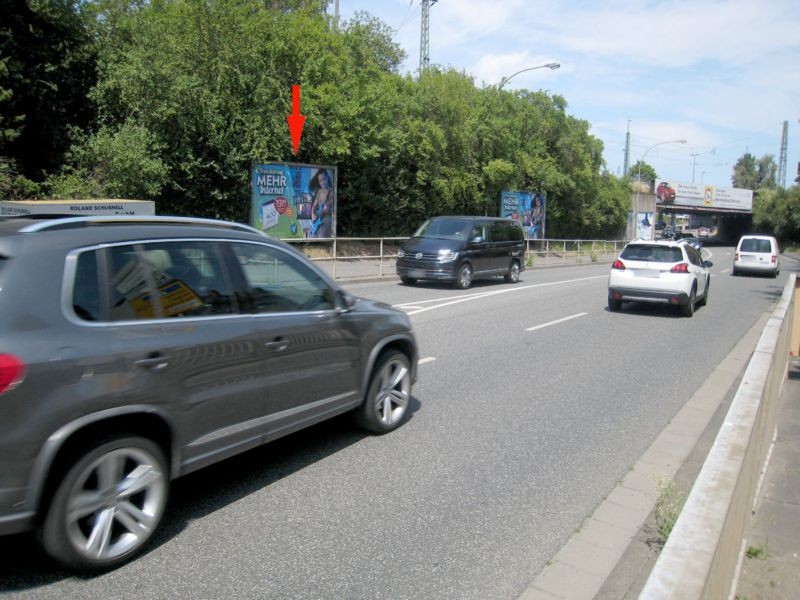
pixel 639 179
pixel 553 66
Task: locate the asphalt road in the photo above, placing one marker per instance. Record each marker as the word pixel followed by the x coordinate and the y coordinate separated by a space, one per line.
pixel 533 400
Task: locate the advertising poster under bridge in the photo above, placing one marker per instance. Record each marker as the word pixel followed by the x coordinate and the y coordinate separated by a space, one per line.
pixel 529 208
pixel 290 200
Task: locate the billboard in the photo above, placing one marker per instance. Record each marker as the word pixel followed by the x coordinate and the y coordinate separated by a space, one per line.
pixel 289 200
pixel 529 208
pixel 705 196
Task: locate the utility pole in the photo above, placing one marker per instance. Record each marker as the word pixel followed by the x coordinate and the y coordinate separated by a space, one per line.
pixel 627 150
pixel 694 163
pixel 782 161
pixel 425 35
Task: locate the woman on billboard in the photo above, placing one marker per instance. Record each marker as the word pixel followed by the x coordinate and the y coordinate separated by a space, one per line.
pixel 322 206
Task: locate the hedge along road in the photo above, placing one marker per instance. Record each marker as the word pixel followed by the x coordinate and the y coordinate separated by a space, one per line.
pixel 517 434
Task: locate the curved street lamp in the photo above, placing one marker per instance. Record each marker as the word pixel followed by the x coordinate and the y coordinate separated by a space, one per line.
pixel 641 160
pixel 552 66
pixel 639 179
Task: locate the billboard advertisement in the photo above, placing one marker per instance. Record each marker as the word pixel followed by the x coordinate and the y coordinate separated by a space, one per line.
pixel 290 200
pixel 529 208
pixel 706 196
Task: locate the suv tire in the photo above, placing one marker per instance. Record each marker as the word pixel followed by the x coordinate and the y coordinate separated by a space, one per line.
pixel 687 310
pixel 388 394
pixel 110 499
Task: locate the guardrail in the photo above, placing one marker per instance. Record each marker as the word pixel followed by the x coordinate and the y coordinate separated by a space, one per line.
pixel 375 256
pixel 706 545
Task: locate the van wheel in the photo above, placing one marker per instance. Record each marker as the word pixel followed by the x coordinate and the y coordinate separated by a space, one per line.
pixel 513 273
pixel 108 504
pixel 408 280
pixel 464 277
pixel 388 395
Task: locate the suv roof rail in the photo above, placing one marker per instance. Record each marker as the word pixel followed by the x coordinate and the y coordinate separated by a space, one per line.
pixel 75 222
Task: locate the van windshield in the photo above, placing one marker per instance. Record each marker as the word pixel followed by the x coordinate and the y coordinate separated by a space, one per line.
pixel 449 229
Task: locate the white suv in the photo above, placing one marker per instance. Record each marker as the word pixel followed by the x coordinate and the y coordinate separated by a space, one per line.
pixel 757 254
pixel 664 272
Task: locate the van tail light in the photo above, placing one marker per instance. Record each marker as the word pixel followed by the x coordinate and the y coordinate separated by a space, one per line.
pixel 618 265
pixel 12 372
pixel 735 256
pixel 680 268
pixel 774 259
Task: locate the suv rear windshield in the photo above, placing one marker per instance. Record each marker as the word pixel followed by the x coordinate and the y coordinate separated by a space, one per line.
pixel 755 245
pixel 652 253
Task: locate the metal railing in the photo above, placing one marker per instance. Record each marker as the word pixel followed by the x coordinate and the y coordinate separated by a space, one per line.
pixel 357 257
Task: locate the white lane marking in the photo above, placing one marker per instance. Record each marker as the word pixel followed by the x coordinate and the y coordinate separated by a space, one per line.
pixel 556 322
pixel 725 271
pixel 427 359
pixel 417 302
pixel 516 288
pixel 710 255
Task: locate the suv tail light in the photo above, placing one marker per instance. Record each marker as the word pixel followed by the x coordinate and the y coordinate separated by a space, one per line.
pixel 774 259
pixel 735 256
pixel 12 372
pixel 680 268
pixel 619 265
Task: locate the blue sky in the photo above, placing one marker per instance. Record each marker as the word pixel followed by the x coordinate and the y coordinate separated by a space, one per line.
pixel 723 75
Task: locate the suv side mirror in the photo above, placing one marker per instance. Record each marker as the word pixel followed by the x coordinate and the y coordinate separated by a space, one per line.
pixel 344 301
pixel 477 240
pixel 708 264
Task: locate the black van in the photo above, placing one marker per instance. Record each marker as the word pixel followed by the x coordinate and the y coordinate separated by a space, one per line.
pixel 459 249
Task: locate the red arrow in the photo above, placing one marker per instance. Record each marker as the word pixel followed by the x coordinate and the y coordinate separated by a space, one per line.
pixel 296 120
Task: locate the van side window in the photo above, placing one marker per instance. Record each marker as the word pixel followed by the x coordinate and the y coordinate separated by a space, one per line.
pixel 278 282
pixel 499 231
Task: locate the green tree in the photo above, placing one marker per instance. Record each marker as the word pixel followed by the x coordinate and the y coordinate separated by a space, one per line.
pixel 47 69
pixel 641 171
pixel 777 211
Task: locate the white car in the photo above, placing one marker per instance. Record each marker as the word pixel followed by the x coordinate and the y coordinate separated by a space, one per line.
pixel 661 271
pixel 757 254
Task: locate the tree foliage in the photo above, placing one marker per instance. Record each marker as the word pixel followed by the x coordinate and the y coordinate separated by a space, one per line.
pixel 641 171
pixel 190 93
pixel 777 211
pixel 46 70
pixel 755 174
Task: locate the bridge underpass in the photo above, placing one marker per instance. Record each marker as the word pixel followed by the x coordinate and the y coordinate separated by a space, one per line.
pixel 728 225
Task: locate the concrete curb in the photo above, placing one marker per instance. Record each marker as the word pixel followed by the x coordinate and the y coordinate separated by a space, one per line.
pixel 580 568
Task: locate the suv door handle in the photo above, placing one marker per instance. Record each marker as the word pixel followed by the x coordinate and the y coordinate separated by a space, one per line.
pixel 154 363
pixel 278 344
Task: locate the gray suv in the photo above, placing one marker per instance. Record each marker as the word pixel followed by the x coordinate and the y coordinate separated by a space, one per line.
pixel 136 350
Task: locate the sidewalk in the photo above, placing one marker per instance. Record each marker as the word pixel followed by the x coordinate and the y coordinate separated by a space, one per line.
pixel 771 567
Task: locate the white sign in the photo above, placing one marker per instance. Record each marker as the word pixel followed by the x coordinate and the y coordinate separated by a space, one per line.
pixel 76 208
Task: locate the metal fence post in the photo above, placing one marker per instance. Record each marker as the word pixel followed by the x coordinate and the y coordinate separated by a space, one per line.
pixel 380 269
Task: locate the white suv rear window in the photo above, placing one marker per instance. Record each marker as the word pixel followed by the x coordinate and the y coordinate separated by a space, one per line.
pixel 649 253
